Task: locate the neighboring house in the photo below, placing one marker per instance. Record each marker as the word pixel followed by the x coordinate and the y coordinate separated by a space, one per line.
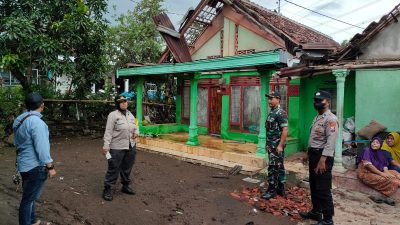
pixel 9 80
pixel 364 79
pixel 224 56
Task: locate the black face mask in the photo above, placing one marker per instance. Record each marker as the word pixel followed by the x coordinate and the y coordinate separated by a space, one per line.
pixel 319 106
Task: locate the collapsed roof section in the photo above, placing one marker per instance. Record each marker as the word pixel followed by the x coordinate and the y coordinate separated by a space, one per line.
pixel 295 35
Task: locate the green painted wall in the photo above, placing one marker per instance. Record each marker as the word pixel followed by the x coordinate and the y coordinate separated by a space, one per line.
pixel 377 98
pixel 211 47
pixel 250 40
pixel 293 116
pixel 308 86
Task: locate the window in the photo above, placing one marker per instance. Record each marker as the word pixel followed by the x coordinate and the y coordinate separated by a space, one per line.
pixel 202 107
pixel 235 104
pixel 245 108
pixel 251 109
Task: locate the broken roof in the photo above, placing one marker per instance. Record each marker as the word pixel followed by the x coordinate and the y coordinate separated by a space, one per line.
pixel 294 34
pixel 176 44
pixel 359 40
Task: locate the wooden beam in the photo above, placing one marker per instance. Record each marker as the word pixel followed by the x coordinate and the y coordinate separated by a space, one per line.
pixel 196 12
pixel 168 31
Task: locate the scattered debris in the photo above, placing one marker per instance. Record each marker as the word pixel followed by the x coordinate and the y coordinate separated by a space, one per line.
pixel 297 200
pixel 251 180
pixel 233 171
pixel 220 175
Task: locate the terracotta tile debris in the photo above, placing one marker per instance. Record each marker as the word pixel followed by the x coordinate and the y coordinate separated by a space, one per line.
pixel 297 200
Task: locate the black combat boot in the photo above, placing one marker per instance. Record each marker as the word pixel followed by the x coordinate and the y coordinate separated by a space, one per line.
pixel 107 194
pixel 270 193
pixel 324 222
pixel 312 215
pixel 281 190
pixel 128 190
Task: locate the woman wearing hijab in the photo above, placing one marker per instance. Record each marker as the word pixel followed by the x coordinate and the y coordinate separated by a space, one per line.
pixel 392 145
pixel 373 170
pixel 119 147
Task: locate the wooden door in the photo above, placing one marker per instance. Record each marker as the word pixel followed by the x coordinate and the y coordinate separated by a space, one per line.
pixel 215 103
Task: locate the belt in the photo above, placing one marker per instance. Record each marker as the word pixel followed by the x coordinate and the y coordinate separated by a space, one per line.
pixel 315 149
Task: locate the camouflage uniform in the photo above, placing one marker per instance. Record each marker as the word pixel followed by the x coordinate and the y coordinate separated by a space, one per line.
pixel 276 121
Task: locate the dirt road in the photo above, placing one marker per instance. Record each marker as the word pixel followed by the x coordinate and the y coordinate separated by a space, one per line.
pixel 169 191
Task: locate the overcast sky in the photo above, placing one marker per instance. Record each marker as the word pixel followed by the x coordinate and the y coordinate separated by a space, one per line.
pixel 359 13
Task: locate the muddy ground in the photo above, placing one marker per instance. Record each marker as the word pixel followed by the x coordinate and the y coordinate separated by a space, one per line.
pixel 169 191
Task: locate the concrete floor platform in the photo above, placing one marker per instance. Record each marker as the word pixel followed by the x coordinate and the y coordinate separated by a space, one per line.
pixel 212 152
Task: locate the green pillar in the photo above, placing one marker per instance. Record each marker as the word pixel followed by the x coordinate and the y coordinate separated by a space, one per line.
pixel 225 110
pixel 139 101
pixel 262 136
pixel 193 135
pixel 340 75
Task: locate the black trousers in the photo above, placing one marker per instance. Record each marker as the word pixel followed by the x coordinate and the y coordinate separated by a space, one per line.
pixel 121 163
pixel 321 184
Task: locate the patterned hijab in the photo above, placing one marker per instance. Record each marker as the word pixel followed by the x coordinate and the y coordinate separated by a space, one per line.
pixel 395 149
pixel 376 157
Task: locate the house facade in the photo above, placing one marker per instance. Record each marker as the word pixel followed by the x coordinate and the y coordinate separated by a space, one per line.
pixel 224 57
pixel 363 78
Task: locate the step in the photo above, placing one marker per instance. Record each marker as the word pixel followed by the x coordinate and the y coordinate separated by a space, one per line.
pixel 248 159
pixel 202 160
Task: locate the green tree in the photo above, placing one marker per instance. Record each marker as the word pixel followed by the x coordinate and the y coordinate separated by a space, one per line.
pixel 135 37
pixel 64 37
pixel 344 43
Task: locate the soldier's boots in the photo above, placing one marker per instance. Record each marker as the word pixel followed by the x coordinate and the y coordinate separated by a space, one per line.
pixel 107 194
pixel 312 215
pixel 281 190
pixel 324 222
pixel 269 193
pixel 128 190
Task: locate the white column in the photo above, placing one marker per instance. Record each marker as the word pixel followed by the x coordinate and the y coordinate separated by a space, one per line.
pixel 340 75
pixel 126 85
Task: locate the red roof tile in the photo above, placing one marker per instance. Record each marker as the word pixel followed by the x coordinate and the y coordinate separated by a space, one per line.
pixel 288 29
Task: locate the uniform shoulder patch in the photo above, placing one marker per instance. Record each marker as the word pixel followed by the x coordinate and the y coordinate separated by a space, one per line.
pixel 332 126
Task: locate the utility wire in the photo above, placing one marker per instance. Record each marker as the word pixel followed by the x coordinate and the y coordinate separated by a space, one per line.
pixel 323 14
pixel 351 11
pixel 323 5
pixel 286 12
pixel 347 28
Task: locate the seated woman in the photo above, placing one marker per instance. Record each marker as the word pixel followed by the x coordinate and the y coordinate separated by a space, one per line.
pixel 393 164
pixel 392 145
pixel 373 170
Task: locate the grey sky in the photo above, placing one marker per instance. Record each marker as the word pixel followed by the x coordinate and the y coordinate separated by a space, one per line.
pixel 355 12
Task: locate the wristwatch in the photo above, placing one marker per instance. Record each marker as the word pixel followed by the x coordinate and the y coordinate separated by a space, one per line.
pixel 50 167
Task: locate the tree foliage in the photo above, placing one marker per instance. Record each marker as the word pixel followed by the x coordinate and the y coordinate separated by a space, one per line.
pixel 65 37
pixel 135 37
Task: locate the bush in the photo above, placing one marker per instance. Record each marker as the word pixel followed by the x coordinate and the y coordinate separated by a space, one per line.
pixel 11 105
